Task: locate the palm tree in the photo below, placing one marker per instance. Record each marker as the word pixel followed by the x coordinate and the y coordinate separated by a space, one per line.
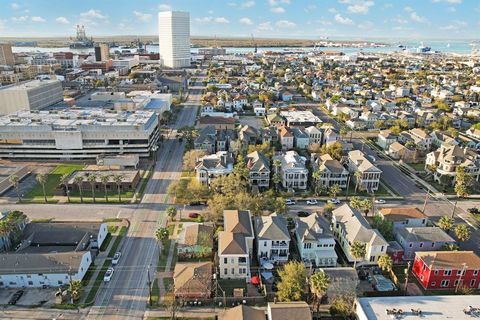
pixel 355 203
pixel 78 180
pixel 462 232
pixel 171 212
pixel 161 234
pixel 366 205
pixel 358 250
pixel 385 263
pixel 446 223
pixel 358 176
pixel 334 190
pixel 277 178
pixel 64 180
pixel 316 176
pixel 343 133
pixel 328 208
pixel 117 178
pixel 14 180
pixel 92 179
pixel 105 178
pixel 42 179
pixel 75 289
pixel 450 247
pixel 319 283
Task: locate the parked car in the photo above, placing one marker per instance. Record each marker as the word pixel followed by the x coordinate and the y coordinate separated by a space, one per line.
pixel 303 214
pixel 312 201
pixel 116 258
pixel 193 215
pixel 381 201
pixel 108 275
pixel 334 201
pixel 474 210
pixel 15 297
pixel 290 202
pixel 196 203
pixel 372 158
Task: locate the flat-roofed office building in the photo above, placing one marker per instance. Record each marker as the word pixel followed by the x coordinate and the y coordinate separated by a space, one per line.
pixel 31 95
pixel 77 134
pixel 174 38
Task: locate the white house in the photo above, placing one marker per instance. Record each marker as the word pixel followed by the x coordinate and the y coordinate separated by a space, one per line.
pixel 293 170
pixel 273 238
pixel 385 138
pixel 331 171
pixel 349 226
pixel 259 108
pixel 315 241
pixel 212 166
pixel 314 135
pixel 370 175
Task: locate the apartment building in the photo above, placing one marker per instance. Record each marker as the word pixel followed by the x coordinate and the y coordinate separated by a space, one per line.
pixel 235 245
pixel 293 171
pixel 77 134
pixel 369 179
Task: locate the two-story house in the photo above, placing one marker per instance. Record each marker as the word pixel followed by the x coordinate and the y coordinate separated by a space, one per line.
pixel 404 217
pixel 331 171
pixel 258 166
pixel 235 245
pixel 293 170
pixel 349 226
pixel 447 269
pixel 370 174
pixel 300 138
pixel 286 138
pixel 315 241
pixel 272 238
pixel 314 135
pixel 415 239
pixel 212 166
pixel 385 138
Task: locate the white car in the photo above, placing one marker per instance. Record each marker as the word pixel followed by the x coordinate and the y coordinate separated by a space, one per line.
pixel 108 275
pixel 334 201
pixel 290 202
pixel 116 258
pixel 381 201
pixel 312 201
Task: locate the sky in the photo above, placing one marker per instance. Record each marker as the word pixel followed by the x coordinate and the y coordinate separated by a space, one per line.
pixel 314 19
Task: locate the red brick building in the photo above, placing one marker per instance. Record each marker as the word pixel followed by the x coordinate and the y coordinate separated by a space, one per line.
pixel 447 269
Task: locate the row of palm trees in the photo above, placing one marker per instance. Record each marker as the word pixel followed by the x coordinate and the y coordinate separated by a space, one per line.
pixel 92 180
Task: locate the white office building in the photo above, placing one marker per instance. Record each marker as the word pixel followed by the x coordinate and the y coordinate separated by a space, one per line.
pixel 174 38
pixel 31 95
pixel 77 134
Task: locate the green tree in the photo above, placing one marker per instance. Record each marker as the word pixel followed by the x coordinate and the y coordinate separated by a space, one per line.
pixel 358 250
pixel 450 247
pixel 78 180
pixel 463 182
pixel 92 179
pixel 379 124
pixel 328 208
pixel 446 223
pixel 162 235
pixel 366 206
pixel 335 150
pixel 341 307
pixel 334 190
pixel 240 169
pixel 383 226
pixel 292 281
pixel 64 180
pixel 15 181
pixel 356 203
pixel 191 157
pixel 75 289
pixel 319 283
pixel 277 177
pixel 316 178
pixel 343 133
pixel 118 178
pixel 42 179
pixel 385 263
pixel 105 179
pixel 171 212
pixel 358 178
pixel 462 232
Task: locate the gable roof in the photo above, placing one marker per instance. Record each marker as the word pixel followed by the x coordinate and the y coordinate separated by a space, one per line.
pixel 424 234
pixel 196 233
pixel 272 227
pixel 313 228
pixel 449 259
pixel 28 263
pixel 192 277
pixel 298 310
pixel 401 214
pixel 243 312
pixel 257 161
pixel 238 221
pixel 231 243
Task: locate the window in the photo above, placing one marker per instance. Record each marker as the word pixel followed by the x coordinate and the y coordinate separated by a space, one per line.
pixel 424 267
pixel 381 250
pixel 445 283
pixel 225 271
pixel 242 260
pixel 433 284
pixel 225 260
pixel 421 244
pixel 472 282
pixel 475 272
pixel 60 282
pixel 433 244
pixel 459 272
pixel 372 258
pixel 30 283
pixel 436 272
pixel 447 272
pixel 410 245
pixel 456 282
pixel 264 243
pixel 233 271
pixel 232 260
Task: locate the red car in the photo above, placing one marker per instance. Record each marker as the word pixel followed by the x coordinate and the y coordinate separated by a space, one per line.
pixel 193 215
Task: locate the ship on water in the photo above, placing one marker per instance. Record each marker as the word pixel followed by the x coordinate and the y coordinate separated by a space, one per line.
pixel 81 41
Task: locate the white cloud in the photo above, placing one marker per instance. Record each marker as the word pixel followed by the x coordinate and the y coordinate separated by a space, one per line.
pixel 366 25
pixel 416 18
pixel 232 4
pixel 455 25
pixel 343 20
pixel 400 20
pixel 246 21
pixel 221 20
pixel 360 7
pixel 274 3
pixel 164 7
pixel 204 19
pixel 408 9
pixel 145 17
pixel 247 4
pixel 14 6
pixel 332 10
pixel 285 24
pixel 62 20
pixel 20 19
pixel 265 26
pixel 93 14
pixel 277 10
pixel 448 1
pixel 38 19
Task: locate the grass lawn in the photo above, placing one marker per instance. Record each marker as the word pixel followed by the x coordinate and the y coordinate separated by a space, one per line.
pixel 417 166
pixel 162 259
pixel 53 180
pixel 143 183
pixel 170 229
pixel 229 284
pixel 106 242
pixel 96 284
pixel 167 283
pixel 188 174
pixel 155 293
pixel 118 239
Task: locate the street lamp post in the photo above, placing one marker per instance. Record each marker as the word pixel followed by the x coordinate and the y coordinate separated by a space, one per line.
pixel 149 286
pixel 407 269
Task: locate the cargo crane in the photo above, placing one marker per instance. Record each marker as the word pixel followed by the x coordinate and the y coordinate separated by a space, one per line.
pixel 254 45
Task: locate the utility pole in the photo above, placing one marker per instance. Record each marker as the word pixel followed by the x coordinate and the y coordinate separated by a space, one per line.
pixel 348 186
pixel 149 287
pixel 460 278
pixel 425 202
pixel 454 207
pixel 407 269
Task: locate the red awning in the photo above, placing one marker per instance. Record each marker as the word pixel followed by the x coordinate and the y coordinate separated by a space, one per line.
pixel 255 280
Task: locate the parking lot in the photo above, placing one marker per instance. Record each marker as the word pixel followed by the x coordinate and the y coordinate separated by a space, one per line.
pixel 30 297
